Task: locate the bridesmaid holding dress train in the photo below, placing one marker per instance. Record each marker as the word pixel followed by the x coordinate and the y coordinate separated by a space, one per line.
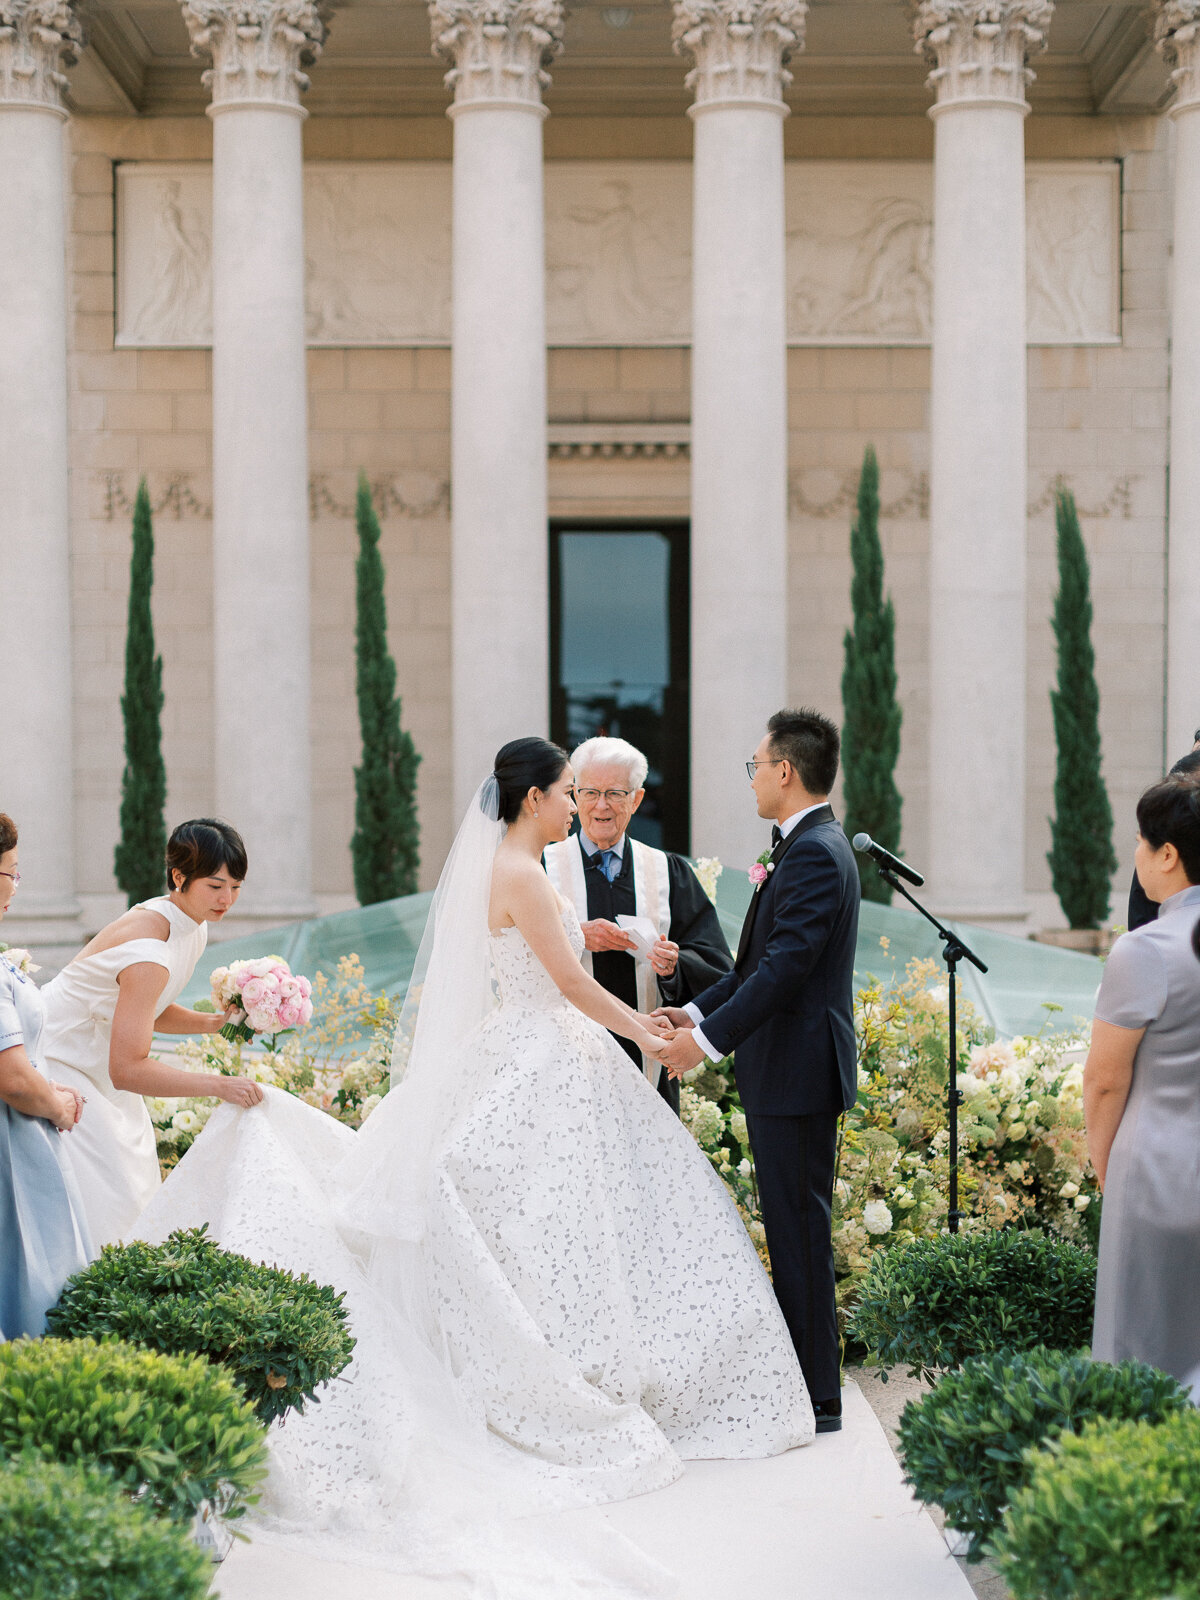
pixel 105 1006
pixel 43 1239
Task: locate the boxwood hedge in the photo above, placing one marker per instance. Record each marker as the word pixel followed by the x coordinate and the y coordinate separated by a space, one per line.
pixel 966 1445
pixel 171 1430
pixel 1114 1511
pixel 68 1533
pixel 932 1303
pixel 280 1336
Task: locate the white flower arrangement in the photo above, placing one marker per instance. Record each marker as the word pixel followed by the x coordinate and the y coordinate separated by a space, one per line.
pixel 19 959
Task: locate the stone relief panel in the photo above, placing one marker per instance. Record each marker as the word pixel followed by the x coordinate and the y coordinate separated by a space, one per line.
pixel 618 253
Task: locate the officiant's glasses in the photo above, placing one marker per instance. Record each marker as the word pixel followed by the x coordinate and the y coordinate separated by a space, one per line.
pixel 752 766
pixel 615 797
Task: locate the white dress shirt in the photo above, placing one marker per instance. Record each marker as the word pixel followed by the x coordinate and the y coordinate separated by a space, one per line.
pixel 785 827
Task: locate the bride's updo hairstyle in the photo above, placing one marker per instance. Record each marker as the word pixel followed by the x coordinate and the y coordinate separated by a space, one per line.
pixel 199 848
pixel 525 764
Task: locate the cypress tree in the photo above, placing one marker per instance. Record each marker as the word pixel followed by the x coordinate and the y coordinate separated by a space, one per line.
pixel 139 857
pixel 1082 859
pixel 871 713
pixel 386 832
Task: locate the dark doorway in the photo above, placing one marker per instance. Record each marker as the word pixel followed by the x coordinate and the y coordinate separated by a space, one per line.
pixel 619 610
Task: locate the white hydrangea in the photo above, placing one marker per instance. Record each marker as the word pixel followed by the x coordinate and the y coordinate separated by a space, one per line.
pixel 877 1217
pixel 744 1168
pixel 369 1105
pixel 737 1125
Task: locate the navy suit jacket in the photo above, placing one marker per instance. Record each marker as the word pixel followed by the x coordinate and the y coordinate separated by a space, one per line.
pixel 787 1007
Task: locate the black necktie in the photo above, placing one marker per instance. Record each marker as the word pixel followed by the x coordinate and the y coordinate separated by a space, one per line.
pixel 776 834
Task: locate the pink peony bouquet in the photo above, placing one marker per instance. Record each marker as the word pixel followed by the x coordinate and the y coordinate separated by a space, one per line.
pixel 270 996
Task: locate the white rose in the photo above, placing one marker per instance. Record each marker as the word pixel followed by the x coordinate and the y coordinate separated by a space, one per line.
pixel 1068 1191
pixel 876 1217
pixel 1017 1131
pixel 744 1168
pixel 1082 1202
pixel 185 1121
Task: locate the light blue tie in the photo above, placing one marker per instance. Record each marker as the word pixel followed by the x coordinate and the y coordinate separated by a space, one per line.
pixel 607 857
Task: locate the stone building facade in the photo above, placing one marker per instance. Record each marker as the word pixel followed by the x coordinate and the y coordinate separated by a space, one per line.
pixel 620 288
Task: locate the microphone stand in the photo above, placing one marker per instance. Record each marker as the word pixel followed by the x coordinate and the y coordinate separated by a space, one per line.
pixel 953 951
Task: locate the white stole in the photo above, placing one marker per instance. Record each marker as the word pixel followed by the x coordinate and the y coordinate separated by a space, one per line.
pixel 652 892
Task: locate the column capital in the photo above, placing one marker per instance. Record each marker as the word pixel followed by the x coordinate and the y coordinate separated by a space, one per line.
pixel 37 39
pixel 257 47
pixel 498 50
pixel 1177 35
pixel 979 49
pixel 741 48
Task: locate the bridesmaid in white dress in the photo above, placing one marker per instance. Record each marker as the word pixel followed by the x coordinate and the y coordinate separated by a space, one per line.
pixel 103 1010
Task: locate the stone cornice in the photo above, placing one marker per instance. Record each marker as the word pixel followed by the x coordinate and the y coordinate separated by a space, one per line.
pixel 37 39
pixel 741 48
pixel 499 51
pixel 1177 34
pixel 257 47
pixel 979 49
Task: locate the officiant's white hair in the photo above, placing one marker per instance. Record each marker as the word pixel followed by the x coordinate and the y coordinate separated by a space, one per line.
pixel 600 752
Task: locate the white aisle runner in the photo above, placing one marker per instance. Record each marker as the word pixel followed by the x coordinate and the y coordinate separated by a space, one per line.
pixel 830 1522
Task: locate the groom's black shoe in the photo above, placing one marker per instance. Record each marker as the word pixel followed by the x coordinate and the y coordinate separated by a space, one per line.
pixel 828 1414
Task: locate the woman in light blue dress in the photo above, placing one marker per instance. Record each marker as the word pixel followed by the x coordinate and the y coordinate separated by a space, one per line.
pixel 1141 1092
pixel 43 1236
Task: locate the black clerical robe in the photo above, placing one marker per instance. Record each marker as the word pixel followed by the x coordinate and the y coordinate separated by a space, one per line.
pixel 695 927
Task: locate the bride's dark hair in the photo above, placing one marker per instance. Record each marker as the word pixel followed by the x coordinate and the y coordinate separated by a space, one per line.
pixel 525 764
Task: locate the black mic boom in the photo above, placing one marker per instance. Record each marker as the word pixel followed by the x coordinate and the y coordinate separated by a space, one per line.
pixel 866 846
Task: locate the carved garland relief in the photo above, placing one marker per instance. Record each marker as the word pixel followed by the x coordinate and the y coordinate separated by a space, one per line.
pixel 618 253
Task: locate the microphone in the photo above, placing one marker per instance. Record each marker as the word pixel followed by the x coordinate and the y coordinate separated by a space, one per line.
pixel 866 846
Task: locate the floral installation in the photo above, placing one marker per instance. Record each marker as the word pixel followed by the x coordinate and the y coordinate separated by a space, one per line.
pixel 708 869
pixel 19 959
pixel 1022 1147
pixel 762 870
pixel 268 995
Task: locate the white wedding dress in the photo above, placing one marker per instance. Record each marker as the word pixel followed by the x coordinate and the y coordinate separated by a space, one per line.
pixel 578 1312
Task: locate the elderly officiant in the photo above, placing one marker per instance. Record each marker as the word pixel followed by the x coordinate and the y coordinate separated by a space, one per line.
pixel 607 875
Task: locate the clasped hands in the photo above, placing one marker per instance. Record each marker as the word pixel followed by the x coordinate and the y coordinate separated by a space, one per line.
pixel 678 1052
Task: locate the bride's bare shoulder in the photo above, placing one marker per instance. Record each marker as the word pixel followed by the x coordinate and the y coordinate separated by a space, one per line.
pixel 518 880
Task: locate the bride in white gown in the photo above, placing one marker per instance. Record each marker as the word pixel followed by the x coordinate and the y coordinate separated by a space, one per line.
pixel 554 1299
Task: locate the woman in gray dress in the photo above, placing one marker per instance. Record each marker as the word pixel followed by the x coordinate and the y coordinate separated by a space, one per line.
pixel 43 1237
pixel 1141 1095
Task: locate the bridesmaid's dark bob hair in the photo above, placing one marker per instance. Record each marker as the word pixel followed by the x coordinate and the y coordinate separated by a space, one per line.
pixel 525 764
pixel 8 833
pixel 203 846
pixel 1169 813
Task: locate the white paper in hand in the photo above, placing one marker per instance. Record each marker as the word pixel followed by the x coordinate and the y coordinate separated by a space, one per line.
pixel 642 931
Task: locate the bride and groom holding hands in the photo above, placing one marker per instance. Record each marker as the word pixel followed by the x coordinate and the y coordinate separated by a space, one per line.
pixel 554 1299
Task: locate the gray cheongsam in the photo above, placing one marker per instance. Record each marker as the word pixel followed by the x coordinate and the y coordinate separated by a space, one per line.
pixel 1148 1288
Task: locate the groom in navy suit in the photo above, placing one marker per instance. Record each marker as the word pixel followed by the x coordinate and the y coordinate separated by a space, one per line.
pixel 787 1009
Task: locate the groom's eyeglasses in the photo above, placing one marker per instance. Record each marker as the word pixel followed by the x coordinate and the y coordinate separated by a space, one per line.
pixel 752 766
pixel 615 797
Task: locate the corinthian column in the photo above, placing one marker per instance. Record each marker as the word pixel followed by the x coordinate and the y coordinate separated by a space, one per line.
pixel 739 400
pixel 1177 29
pixel 36 37
pixel 498 52
pixel 978 50
pixel 261 580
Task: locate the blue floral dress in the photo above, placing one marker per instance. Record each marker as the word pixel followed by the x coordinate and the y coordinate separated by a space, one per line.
pixel 43 1235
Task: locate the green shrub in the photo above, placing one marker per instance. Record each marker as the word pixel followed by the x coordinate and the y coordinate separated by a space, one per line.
pixel 172 1429
pixel 966 1446
pixel 1112 1512
pixel 932 1303
pixel 67 1533
pixel 278 1335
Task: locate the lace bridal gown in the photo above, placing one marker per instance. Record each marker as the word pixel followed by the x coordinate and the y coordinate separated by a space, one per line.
pixel 576 1310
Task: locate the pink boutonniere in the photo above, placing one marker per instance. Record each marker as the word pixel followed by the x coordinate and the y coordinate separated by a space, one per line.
pixel 761 870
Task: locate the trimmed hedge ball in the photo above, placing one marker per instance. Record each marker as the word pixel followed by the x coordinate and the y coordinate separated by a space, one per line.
pixel 280 1336
pixel 933 1303
pixel 1114 1511
pixel 968 1446
pixel 173 1430
pixel 68 1533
